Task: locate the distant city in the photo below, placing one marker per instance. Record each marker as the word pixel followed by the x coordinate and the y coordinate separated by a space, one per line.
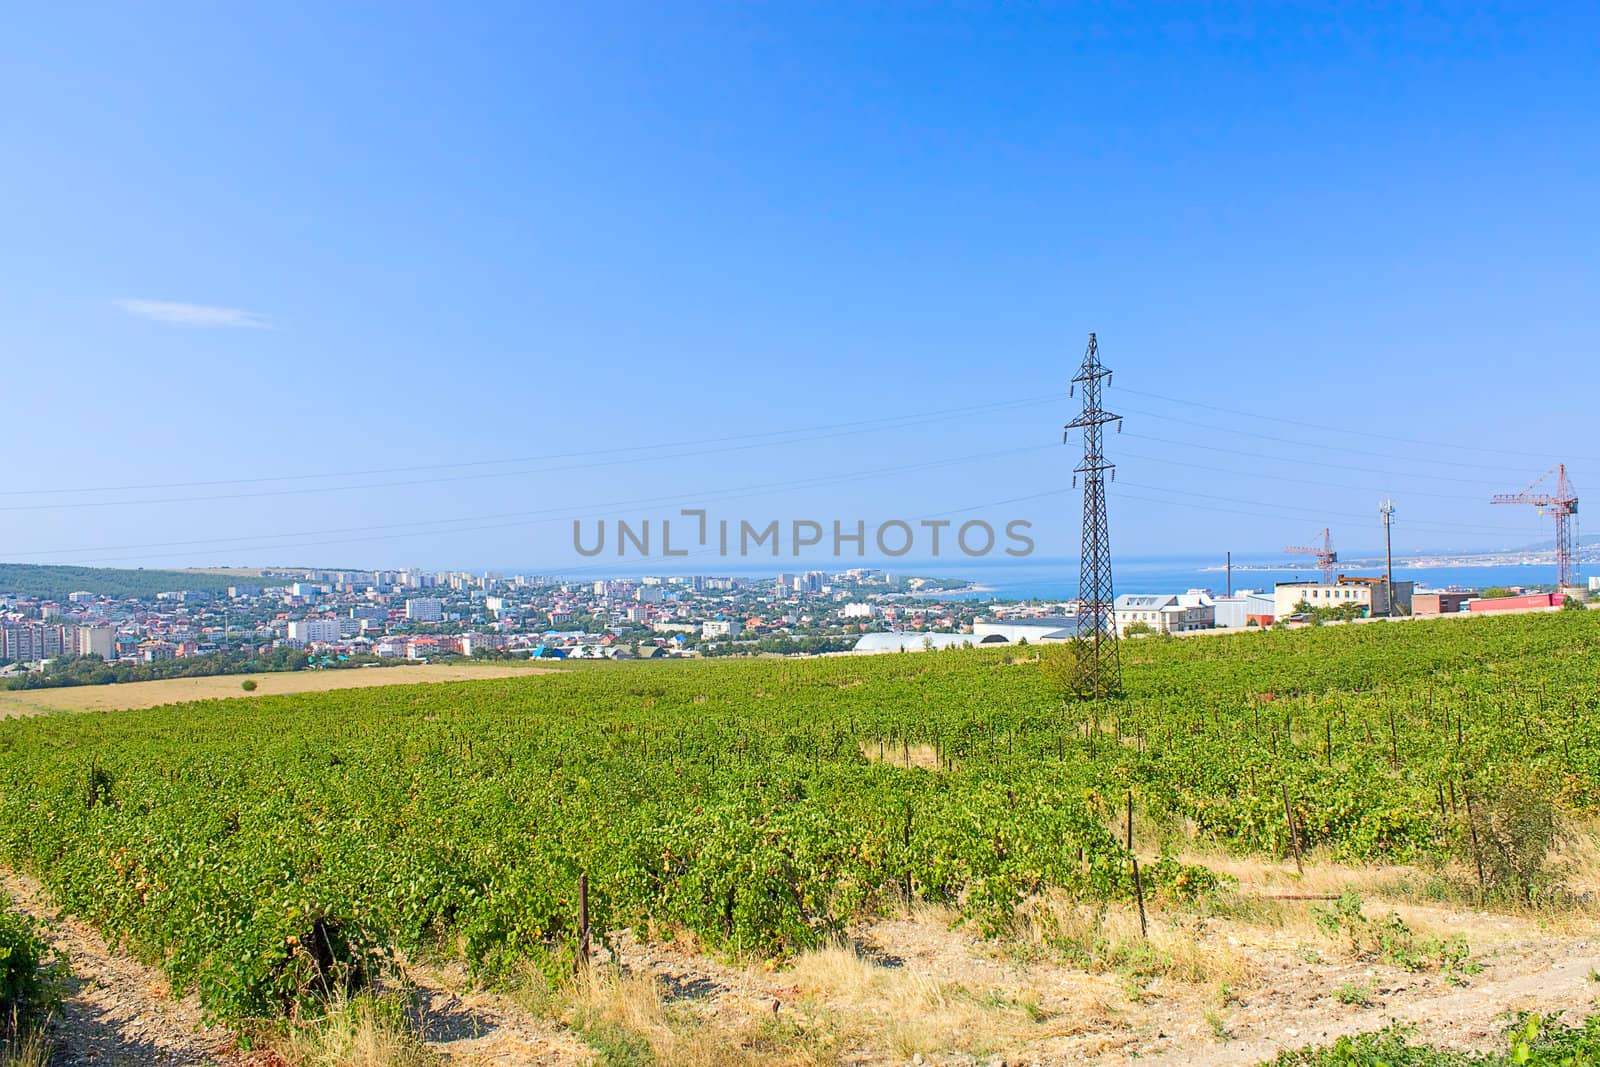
pixel 338 617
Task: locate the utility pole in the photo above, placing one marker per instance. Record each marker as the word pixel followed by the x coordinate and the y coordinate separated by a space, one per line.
pixel 1230 573
pixel 1386 509
pixel 1100 667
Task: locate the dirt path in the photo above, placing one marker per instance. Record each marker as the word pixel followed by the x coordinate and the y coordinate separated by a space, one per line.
pixel 117 1012
pixel 916 984
pixel 120 1013
pixel 471 1026
pixel 1277 998
pixel 1469 1018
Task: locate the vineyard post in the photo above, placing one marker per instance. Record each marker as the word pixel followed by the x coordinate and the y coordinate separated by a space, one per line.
pixel 1138 894
pixel 582 962
pixel 1294 837
pixel 907 845
pixel 1472 829
pixel 1130 820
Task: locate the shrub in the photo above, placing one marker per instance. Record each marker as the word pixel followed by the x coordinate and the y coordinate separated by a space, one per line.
pixel 248 685
pixel 28 985
pixel 1515 823
pixel 1391 940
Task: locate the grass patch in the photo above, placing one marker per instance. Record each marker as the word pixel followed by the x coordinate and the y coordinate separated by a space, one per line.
pixel 363 1030
pixel 1533 1040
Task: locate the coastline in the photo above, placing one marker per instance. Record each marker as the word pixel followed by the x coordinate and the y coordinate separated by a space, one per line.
pixel 934 594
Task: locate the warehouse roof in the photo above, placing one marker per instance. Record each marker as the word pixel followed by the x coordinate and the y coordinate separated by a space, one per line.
pixel 910 641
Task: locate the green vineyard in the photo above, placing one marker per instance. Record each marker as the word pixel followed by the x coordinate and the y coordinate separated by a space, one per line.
pixel 255 848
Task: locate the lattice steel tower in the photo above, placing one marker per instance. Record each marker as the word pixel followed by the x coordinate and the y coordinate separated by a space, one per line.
pixel 1563 504
pixel 1100 668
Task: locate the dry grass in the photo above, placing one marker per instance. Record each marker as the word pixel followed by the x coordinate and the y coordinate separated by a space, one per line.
pixel 1100 938
pixel 834 1006
pixel 31 1050
pixel 130 695
pixel 362 1031
pixel 1577 857
pixel 628 1019
pixel 907 756
pixel 894 1010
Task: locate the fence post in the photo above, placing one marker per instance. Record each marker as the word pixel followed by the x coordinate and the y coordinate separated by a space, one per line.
pixel 1472 828
pixel 583 921
pixel 1130 820
pixel 1138 893
pixel 1294 837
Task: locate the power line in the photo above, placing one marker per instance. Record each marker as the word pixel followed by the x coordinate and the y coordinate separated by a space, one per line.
pixel 1319 512
pixel 1414 442
pixel 1295 479
pixel 887 422
pixel 700 553
pixel 1211 507
pixel 1474 465
pixel 526 518
pixel 1300 462
pixel 434 526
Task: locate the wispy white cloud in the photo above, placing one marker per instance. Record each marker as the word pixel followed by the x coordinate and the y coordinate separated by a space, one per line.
pixel 194 314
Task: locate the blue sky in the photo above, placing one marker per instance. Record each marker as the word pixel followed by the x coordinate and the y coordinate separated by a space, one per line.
pixel 1332 255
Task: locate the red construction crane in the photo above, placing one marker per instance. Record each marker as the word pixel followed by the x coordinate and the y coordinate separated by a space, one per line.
pixel 1326 556
pixel 1563 504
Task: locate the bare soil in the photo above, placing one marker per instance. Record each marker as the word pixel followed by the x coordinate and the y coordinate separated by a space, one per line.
pixel 922 988
pixel 116 1012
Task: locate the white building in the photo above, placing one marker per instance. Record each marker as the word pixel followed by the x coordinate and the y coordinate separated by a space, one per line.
pixel 97 641
pixel 1165 613
pixel 1014 631
pixel 1235 612
pixel 424 609
pixel 29 642
pixel 1369 594
pixel 858 611
pixel 908 641
pixel 314 631
pixel 721 628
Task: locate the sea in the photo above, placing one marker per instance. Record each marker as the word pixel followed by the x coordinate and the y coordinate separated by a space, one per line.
pixel 1057 579
pixel 1042 578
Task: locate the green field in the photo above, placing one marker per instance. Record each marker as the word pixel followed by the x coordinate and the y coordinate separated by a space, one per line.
pixel 254 848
